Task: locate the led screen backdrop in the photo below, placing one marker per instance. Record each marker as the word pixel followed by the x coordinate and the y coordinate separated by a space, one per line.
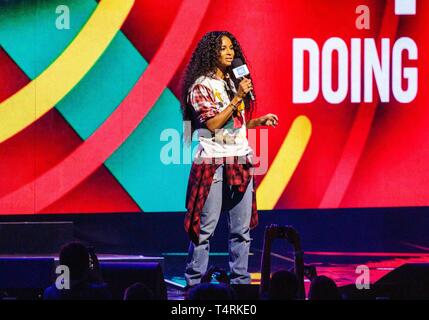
pixel 87 90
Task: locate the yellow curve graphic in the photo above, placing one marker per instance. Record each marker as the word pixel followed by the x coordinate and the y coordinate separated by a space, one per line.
pixel 281 170
pixel 28 104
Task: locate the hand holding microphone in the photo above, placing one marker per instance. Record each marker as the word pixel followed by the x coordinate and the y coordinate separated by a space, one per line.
pixel 240 71
pixel 244 88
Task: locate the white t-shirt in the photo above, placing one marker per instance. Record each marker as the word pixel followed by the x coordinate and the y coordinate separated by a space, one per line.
pixel 208 96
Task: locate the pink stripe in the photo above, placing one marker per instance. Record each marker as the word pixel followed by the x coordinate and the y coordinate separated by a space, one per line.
pixel 361 128
pixel 367 254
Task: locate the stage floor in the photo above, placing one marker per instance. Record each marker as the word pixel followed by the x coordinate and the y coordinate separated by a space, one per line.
pixel 340 266
pixel 336 241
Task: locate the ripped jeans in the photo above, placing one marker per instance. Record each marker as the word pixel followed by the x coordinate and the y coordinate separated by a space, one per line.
pixel 223 198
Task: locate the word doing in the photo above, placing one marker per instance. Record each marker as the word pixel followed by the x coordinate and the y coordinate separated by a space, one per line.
pixel 386 68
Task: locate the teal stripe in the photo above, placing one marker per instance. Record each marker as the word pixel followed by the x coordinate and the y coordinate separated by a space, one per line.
pixel 103 88
pixel 28 34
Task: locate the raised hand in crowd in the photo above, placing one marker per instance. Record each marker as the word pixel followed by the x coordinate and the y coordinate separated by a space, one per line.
pixel 288 233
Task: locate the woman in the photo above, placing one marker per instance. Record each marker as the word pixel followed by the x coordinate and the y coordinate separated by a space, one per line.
pixel 217 105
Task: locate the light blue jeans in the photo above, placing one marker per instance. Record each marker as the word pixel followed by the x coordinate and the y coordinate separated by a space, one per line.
pixel 238 206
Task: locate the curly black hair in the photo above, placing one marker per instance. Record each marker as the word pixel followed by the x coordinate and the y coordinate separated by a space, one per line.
pixel 204 62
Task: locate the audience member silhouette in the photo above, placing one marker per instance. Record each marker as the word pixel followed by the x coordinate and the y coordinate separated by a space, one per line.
pixel 85 277
pixel 210 291
pixel 283 286
pixel 138 291
pixel 324 288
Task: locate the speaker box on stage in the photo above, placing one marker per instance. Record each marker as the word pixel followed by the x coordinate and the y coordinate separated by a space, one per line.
pixel 25 278
pixel 410 281
pixel 121 275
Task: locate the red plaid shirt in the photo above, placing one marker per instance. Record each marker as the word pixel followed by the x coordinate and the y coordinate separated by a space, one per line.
pixel 200 180
pixel 204 103
pixel 206 107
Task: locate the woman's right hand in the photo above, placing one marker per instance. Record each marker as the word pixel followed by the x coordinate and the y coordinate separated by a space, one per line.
pixel 244 87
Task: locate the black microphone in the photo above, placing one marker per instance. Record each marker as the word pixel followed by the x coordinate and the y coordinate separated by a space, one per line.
pixel 240 71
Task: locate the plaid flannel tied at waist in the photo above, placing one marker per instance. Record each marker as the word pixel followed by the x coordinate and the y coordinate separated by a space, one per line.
pixel 237 173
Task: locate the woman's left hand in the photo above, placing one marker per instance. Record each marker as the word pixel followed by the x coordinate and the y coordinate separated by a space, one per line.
pixel 269 120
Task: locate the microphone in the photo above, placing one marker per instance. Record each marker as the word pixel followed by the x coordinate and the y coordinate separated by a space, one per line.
pixel 240 71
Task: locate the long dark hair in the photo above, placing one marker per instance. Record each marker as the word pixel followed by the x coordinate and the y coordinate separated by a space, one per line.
pixel 204 62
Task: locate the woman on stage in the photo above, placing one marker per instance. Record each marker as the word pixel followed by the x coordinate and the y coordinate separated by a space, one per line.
pixel 219 106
